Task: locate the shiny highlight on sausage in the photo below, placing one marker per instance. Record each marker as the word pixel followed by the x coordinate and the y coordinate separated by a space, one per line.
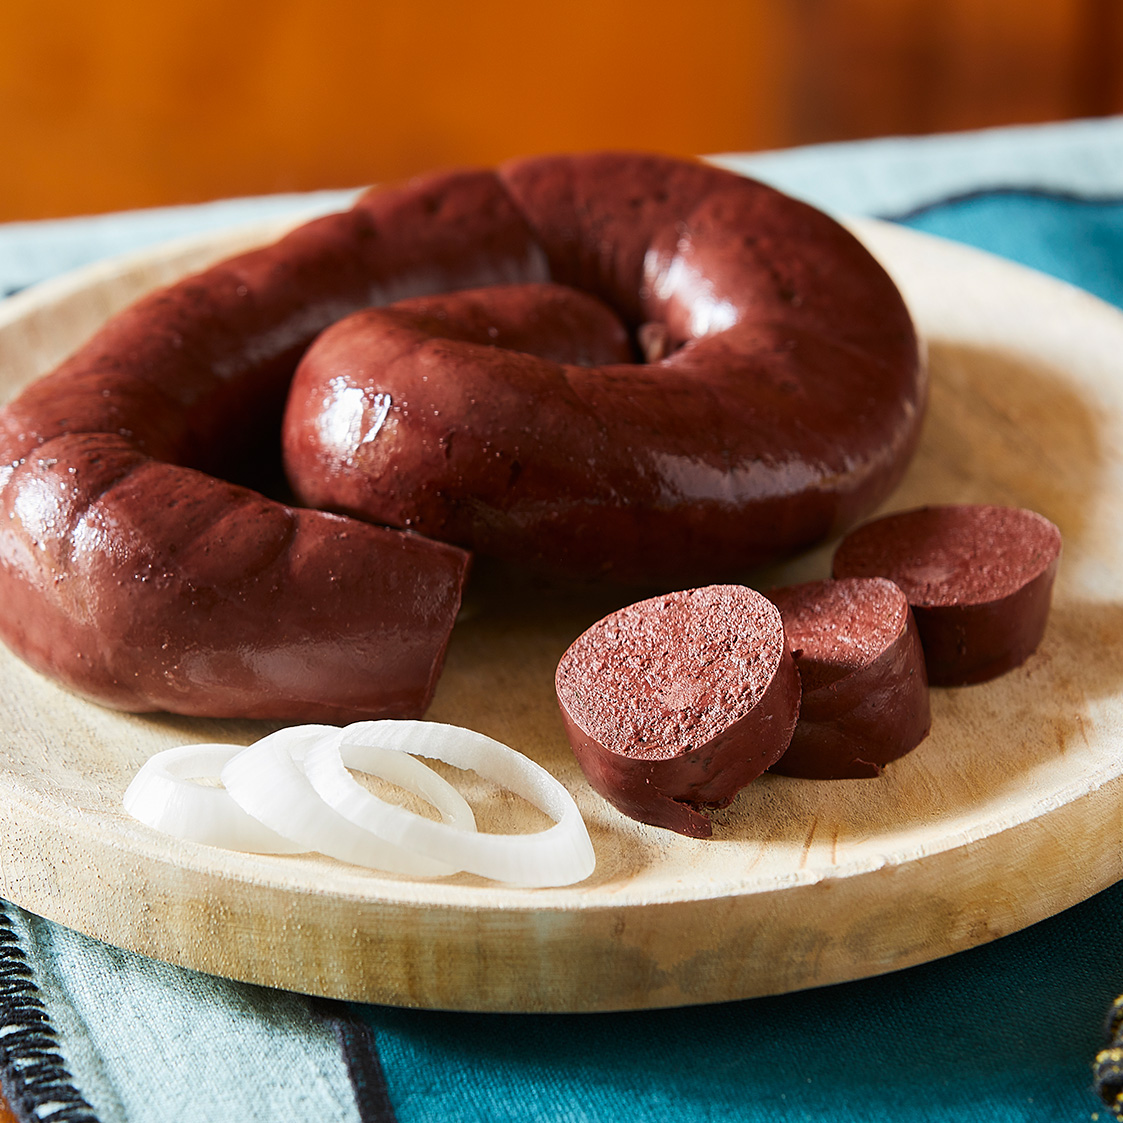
pixel 782 401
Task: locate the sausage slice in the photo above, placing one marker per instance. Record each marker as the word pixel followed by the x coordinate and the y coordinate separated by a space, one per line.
pixel 674 704
pixel 865 690
pixel 979 580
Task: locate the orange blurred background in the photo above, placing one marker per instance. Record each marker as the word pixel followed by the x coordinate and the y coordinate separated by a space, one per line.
pixel 118 104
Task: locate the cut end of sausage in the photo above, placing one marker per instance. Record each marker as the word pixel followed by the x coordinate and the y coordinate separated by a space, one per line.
pixel 979 580
pixel 674 704
pixel 865 688
pixel 215 601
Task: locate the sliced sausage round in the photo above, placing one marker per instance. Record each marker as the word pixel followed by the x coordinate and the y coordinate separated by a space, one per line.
pixel 674 704
pixel 979 580
pixel 865 689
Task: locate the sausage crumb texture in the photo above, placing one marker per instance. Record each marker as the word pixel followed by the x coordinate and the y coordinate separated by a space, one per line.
pixel 979 580
pixel 865 685
pixel 672 705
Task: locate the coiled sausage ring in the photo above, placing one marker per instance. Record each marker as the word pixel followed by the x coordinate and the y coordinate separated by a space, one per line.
pixel 722 376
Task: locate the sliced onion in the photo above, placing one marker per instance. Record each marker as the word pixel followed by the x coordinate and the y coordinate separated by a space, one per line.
pixel 164 795
pixel 560 855
pixel 267 780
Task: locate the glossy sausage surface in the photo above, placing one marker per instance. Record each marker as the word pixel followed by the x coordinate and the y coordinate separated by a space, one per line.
pixel 787 403
pixel 132 575
pixel 786 406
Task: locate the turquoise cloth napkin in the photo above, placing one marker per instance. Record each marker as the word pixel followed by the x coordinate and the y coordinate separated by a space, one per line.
pixel 1006 1032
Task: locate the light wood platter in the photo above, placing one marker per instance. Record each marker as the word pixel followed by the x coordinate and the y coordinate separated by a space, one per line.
pixel 1011 810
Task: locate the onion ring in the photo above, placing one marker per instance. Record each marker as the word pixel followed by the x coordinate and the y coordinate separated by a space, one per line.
pixel 560 855
pixel 164 795
pixel 267 781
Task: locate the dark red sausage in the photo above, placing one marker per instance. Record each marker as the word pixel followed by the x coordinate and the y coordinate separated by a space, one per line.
pixel 418 389
pixel 979 580
pixel 135 579
pixel 674 704
pixel 787 405
pixel 861 666
pixel 192 379
pixel 146 585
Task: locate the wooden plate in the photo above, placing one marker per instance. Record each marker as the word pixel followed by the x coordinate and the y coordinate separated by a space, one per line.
pixel 1009 812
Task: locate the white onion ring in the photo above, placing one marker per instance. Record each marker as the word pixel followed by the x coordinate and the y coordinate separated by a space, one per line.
pixel 267 780
pixel 560 855
pixel 164 796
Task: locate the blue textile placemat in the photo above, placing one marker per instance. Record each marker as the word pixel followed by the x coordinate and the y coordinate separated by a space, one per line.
pixel 1005 1032
pixel 1078 240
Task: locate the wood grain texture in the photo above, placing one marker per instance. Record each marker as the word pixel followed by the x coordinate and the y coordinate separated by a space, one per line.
pixel 1009 812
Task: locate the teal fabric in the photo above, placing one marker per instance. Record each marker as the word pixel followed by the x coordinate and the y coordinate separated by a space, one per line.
pixel 34 251
pixel 896 175
pixel 1077 240
pixel 146 1042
